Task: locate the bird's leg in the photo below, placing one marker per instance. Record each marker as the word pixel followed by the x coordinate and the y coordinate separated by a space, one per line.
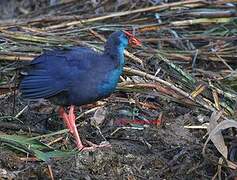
pixel 65 118
pixel 70 121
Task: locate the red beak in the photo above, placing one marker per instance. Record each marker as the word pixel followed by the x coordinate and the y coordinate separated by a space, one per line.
pixel 134 42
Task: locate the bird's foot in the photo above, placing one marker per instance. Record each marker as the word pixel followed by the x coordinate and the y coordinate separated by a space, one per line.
pixel 93 147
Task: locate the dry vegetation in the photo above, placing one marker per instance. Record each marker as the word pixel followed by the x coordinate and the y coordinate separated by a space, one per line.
pixel 183 77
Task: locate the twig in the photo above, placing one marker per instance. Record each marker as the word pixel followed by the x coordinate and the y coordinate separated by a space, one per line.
pixel 51 172
pixel 18 114
pixel 166 83
pixel 118 14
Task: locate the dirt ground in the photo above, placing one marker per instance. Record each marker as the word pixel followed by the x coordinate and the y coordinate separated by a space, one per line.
pixel 166 151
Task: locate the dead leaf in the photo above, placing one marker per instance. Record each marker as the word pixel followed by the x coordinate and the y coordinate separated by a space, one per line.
pixel 216 137
pixel 99 116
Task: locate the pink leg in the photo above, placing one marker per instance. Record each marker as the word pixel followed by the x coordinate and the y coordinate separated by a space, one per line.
pixel 70 119
pixel 65 118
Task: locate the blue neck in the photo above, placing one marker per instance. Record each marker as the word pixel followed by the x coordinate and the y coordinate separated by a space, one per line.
pixel 116 53
pixel 121 55
pixel 112 77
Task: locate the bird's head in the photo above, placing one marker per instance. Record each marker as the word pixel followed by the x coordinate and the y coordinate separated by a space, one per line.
pixel 123 39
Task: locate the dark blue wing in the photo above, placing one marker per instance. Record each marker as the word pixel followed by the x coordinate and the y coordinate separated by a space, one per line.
pixel 51 72
pixel 39 84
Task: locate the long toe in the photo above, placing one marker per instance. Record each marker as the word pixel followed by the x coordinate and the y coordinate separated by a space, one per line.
pixel 94 147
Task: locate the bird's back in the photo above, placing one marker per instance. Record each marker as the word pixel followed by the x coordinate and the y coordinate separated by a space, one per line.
pixel 74 76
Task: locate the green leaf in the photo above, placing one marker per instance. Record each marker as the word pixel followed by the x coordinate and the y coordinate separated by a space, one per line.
pixel 34 147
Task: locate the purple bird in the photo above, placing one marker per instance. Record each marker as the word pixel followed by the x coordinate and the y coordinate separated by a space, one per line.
pixel 77 76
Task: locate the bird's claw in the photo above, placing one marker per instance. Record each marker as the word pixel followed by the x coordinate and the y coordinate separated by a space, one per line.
pixel 93 147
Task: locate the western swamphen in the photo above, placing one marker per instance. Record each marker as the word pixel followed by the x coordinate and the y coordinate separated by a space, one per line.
pixel 77 76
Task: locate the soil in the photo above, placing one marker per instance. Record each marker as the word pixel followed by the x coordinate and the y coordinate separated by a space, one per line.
pixel 166 151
